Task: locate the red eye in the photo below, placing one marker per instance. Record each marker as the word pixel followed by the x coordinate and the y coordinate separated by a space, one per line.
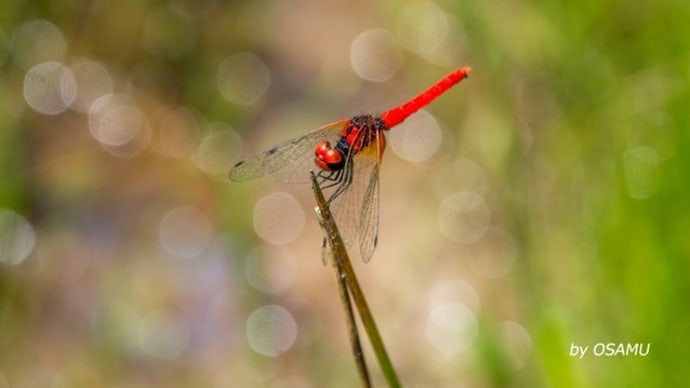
pixel 322 147
pixel 328 158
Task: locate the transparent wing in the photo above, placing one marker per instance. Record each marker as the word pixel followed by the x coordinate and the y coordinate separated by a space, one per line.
pixel 369 217
pixel 288 162
pixel 356 209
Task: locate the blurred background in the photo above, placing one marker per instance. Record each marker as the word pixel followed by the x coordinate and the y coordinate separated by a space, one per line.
pixel 540 204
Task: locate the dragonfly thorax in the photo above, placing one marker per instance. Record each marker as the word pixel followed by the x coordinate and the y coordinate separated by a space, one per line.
pixel 362 131
pixel 359 133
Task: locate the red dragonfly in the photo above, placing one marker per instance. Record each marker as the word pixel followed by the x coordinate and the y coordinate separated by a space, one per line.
pixel 346 155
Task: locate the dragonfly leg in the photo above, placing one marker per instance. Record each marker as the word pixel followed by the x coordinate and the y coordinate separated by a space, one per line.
pixel 332 177
pixel 344 181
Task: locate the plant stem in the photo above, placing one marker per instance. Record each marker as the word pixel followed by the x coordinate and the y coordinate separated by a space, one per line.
pixel 355 343
pixel 342 260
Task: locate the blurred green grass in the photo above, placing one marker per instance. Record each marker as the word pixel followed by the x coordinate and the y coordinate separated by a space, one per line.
pixel 578 114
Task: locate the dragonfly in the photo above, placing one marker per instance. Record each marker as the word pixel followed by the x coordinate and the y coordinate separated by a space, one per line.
pixel 345 156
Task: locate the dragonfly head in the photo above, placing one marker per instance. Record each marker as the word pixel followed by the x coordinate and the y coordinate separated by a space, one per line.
pixel 327 157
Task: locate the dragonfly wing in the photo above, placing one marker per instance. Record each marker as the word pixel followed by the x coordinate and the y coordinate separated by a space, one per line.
pixel 369 217
pixel 355 214
pixel 288 162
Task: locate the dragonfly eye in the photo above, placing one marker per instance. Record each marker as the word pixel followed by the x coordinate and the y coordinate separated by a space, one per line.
pixel 328 158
